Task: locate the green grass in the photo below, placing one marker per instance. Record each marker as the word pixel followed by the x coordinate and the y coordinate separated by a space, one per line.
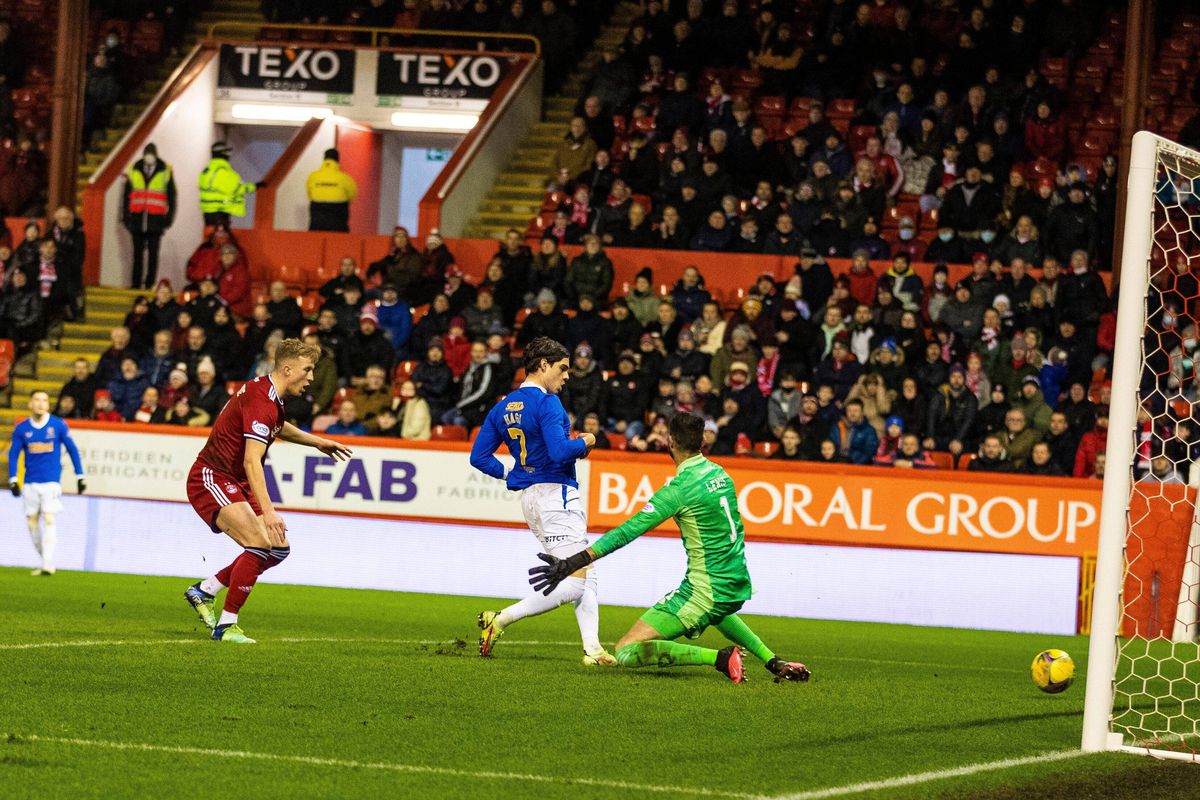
pixel 394 689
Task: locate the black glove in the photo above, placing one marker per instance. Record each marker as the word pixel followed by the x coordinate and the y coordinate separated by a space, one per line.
pixel 546 579
pixel 14 487
pixel 81 485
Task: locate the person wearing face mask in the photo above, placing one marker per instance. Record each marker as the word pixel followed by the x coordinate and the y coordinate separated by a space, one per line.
pixel 149 209
pixel 948 248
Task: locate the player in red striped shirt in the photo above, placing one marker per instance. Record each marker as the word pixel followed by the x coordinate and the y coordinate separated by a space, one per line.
pixel 228 488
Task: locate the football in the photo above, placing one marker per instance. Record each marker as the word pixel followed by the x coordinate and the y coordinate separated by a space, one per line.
pixel 1053 671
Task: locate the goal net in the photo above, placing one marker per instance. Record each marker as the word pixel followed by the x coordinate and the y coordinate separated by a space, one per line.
pixel 1143 688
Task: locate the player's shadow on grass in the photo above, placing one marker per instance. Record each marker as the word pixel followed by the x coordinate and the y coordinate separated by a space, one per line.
pixel 985 722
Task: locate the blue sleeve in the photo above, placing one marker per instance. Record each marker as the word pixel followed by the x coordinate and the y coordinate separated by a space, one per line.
pixel 483 451
pixel 559 446
pixel 14 451
pixel 72 450
pixel 404 328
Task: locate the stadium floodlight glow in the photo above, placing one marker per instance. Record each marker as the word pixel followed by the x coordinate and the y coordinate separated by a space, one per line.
pixel 280 113
pixel 434 121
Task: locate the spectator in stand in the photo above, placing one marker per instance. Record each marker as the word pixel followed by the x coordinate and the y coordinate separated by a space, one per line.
pixel 103 409
pixel 182 413
pixel 1017 439
pixel 457 348
pixel 127 387
pixel 952 410
pixel 839 370
pixel 737 350
pixel 588 326
pixel 1092 446
pixel 1071 226
pixel 149 412
pixel 374 395
pixel 458 291
pixel 81 388
pixel 854 437
pixel 149 205
pixel 549 320
pixel 330 192
pixel 347 423
pixel 628 395
pixel 140 324
pixel 157 364
pixel 547 270
pixel 991 457
pixel 100 94
pixel 484 316
pixel 477 391
pixel 434 381
pixel 22 179
pixel 910 455
pixel 367 347
pixel 1045 134
pixel 686 362
pixel 576 152
pixel 284 310
pixel 1041 462
pixel 110 360
pixel 714 236
pixel 590 273
pixel 401 266
pixel 206 394
pixel 205 262
pixel 325 374
pixel 435 322
pixel 789 448
pixel 347 276
pixel 413 414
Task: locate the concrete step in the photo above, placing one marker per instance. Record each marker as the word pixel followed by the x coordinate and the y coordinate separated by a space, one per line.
pixel 76 344
pixel 86 330
pixel 61 373
pixel 534 179
pixel 504 220
pixel 64 359
pixel 23 387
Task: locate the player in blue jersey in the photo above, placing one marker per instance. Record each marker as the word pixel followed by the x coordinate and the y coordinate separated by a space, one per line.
pixel 41 438
pixel 533 424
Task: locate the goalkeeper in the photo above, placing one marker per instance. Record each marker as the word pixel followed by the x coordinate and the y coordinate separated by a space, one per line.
pixel 703 501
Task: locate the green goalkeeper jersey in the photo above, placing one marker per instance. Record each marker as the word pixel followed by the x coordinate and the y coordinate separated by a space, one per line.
pixel 703 501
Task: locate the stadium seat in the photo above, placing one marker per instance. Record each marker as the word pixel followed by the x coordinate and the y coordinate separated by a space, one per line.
pixel 448 433
pixel 310 304
pixel 765 449
pixel 942 459
pixel 403 372
pixel 295 277
pixel 618 441
pixel 342 394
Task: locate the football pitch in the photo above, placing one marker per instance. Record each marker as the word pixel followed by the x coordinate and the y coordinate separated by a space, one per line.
pixel 110 688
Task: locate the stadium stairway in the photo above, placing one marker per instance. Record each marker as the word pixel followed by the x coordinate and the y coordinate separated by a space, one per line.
pixel 517 194
pixel 127 112
pixel 50 369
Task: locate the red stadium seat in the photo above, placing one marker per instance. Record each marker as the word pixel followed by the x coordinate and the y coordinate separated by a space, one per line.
pixel 448 433
pixel 618 441
pixel 295 277
pixel 341 395
pixel 942 460
pixel 765 449
pixel 310 304
pixel 404 371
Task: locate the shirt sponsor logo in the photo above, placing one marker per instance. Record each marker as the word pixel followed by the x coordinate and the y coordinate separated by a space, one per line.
pixel 648 508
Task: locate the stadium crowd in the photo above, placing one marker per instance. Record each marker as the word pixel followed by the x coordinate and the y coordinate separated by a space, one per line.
pixel 1001 371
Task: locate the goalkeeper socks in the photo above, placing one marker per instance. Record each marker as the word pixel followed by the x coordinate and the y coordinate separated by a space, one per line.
pixel 244 573
pixel 661 653
pixel 35 533
pixel 738 632
pixel 568 591
pixel 49 540
pixel 587 614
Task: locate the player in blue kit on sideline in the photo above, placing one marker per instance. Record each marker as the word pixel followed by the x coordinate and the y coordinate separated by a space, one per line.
pixel 533 424
pixel 41 438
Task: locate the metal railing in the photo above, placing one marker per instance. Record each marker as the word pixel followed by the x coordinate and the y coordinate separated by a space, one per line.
pixel 359 36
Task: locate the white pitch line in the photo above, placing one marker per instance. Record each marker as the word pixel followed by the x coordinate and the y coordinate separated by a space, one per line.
pixel 926 777
pixel 412 769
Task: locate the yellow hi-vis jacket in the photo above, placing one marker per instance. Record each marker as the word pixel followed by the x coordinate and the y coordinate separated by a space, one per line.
pixel 330 185
pixel 222 189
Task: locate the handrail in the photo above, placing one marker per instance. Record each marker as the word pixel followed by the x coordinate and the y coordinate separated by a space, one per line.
pixel 127 148
pixel 464 154
pixel 264 201
pixel 253 28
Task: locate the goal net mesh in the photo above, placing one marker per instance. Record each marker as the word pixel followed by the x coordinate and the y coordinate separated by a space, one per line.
pixel 1157 679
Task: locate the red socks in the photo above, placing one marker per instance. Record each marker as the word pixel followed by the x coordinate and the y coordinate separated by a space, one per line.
pixel 241 575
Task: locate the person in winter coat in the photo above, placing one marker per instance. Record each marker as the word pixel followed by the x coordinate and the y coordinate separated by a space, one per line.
pixel 330 192
pixel 1018 438
pixel 148 210
pixel 457 348
pixel 907 286
pixel 641 299
pixel 401 266
pixel 21 314
pixel 1045 134
pixel 690 295
pixel 738 349
pixel 434 381
pixel 991 457
pixel 1041 462
pixel 547 270
pixel 783 405
pixel 126 389
pixel 477 391
pixel 395 318
pixel 908 455
pixel 548 320
pixel 484 316
pixel 70 243
pixel 367 347
pixel 951 413
pixel 591 273
pixel 222 190
pixel 435 323
pixel 585 393
pixel 685 362
pixel 876 398
pixel 839 370
pixel 575 153
pixel 1071 226
pixel 1091 445
pixel 854 437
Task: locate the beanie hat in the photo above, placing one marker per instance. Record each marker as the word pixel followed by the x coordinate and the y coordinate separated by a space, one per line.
pixel 647 273
pixel 369 312
pixel 332 154
pixel 546 295
pixel 150 150
pixel 894 420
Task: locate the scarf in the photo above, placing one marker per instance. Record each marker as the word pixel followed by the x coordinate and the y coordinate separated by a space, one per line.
pixel 47 275
pixel 579 213
pixel 766 374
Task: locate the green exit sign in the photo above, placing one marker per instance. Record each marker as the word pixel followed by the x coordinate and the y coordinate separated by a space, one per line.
pixel 435 154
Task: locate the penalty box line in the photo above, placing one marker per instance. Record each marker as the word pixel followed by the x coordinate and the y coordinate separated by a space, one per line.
pixel 341 763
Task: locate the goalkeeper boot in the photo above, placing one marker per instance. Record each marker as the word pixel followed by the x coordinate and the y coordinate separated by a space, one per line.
pixel 601 658
pixel 203 603
pixel 489 632
pixel 788 670
pixel 231 633
pixel 729 664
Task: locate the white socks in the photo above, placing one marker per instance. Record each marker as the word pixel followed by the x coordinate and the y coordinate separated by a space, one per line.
pixel 35 533
pixel 227 618
pixel 49 540
pixel 587 614
pixel 211 586
pixel 580 591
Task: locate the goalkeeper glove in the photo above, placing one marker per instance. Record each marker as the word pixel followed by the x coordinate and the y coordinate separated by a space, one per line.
pixel 546 579
pixel 80 484
pixel 14 487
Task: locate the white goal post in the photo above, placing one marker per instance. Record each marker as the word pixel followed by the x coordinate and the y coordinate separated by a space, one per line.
pixel 1143 677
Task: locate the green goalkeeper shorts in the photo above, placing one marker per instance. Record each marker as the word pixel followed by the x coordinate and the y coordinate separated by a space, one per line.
pixel 682 613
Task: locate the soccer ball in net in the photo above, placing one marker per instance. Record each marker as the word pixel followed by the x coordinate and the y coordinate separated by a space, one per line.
pixel 1053 671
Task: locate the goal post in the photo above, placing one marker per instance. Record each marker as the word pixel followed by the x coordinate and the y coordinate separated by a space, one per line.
pixel 1143 677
